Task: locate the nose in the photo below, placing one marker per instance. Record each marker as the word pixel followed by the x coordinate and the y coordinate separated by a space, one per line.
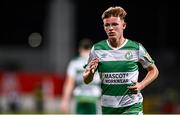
pixel 110 28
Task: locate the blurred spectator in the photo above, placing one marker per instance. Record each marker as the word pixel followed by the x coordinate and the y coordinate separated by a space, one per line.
pixel 38 96
pixel 10 91
pixel 48 94
pixel 86 96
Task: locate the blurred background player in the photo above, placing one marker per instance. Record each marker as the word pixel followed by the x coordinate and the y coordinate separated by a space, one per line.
pixel 86 96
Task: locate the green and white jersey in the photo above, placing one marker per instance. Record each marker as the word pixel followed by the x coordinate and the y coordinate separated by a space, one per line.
pixel 82 91
pixel 118 69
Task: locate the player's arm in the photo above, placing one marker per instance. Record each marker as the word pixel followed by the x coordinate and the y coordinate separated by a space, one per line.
pixel 91 67
pixel 152 73
pixel 67 92
pixel 150 76
pixel 68 87
pixel 90 70
pixel 147 63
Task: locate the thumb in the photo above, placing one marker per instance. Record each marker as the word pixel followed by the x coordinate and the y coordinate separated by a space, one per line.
pixel 133 85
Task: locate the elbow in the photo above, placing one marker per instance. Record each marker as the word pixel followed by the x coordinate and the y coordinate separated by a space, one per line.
pixel 157 72
pixel 86 81
pixel 154 70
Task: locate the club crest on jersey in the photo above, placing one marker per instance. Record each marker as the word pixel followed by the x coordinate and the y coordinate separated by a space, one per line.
pixel 129 55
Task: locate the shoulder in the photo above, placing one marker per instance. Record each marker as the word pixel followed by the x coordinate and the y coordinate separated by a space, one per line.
pixel 131 44
pixel 101 45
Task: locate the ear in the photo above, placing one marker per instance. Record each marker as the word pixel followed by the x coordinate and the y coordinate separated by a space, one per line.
pixel 124 25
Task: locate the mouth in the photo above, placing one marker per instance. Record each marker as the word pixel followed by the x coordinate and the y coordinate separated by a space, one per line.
pixel 111 34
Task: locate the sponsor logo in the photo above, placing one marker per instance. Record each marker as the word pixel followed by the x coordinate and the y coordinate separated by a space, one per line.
pixel 116 78
pixel 121 75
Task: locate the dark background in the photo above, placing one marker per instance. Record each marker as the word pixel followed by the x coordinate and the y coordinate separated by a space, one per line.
pixel 20 18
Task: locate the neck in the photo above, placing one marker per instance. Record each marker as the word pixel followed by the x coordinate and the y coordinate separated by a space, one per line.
pixel 116 42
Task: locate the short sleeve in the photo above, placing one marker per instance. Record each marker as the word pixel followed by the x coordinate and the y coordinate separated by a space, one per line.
pixel 144 57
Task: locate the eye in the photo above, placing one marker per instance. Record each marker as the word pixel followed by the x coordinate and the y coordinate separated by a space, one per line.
pixel 115 24
pixel 106 25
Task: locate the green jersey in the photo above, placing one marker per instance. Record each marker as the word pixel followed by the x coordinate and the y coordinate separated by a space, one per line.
pixel 118 69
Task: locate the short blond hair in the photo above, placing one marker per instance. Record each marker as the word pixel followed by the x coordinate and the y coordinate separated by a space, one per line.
pixel 116 11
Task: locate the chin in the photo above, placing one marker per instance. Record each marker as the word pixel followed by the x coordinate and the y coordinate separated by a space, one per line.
pixel 112 38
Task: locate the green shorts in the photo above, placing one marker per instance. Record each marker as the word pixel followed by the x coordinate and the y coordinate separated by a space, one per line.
pixel 85 108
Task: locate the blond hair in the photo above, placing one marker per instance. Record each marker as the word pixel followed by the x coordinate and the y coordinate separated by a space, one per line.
pixel 116 11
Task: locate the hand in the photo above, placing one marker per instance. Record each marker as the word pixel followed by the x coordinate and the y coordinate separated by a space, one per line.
pixel 136 88
pixel 90 70
pixel 92 66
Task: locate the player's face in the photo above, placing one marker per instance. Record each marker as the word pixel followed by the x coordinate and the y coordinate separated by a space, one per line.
pixel 114 27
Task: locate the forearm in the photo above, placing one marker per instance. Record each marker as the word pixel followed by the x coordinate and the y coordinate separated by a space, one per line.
pixel 87 76
pixel 67 89
pixel 67 95
pixel 151 76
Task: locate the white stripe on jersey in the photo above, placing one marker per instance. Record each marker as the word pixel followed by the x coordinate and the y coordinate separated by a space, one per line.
pixel 120 101
pixel 117 55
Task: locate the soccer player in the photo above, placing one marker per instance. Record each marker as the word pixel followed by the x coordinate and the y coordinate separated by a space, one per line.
pixel 86 96
pixel 116 60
